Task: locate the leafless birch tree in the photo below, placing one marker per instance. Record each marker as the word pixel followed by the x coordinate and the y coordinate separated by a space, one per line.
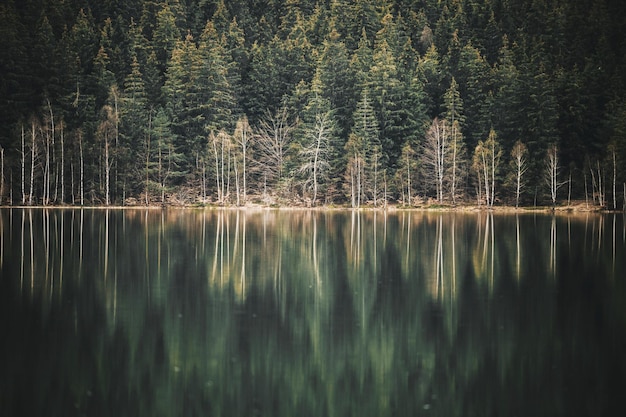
pixel 315 154
pixel 220 144
pixel 434 156
pixel 457 162
pixel 243 135
pixel 487 165
pixel 106 134
pixel 273 138
pixel 518 159
pixel 355 170
pixel 552 172
pixel 1 174
pixel 34 128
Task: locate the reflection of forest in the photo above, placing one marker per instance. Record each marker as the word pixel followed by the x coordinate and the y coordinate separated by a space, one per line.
pixel 310 313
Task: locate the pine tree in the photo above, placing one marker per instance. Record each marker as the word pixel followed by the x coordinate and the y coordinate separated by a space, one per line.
pixel 216 95
pixel 165 162
pixel 361 61
pixel 134 126
pixel 188 98
pixel 387 95
pixel 365 149
pixel 429 77
pixel 473 76
pixel 166 36
pixel 264 86
pixel 338 81
pixel 457 162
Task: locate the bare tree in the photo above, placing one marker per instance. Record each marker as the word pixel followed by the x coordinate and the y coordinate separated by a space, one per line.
pixel 243 135
pixel 457 162
pixel 434 158
pixel 49 149
pixel 552 172
pixel 612 149
pixel 79 134
pixel 315 154
pixel 408 168
pixel 106 133
pixel 147 150
pixel 62 129
pixel 272 140
pixel 487 165
pixel 23 164
pixel 355 169
pixel 34 128
pixel 597 194
pixel 518 159
pixel 220 144
pixel 1 173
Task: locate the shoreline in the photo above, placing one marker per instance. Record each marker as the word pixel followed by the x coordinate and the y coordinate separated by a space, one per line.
pixel 570 209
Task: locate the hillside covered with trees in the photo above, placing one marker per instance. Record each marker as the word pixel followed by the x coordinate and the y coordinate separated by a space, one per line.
pixel 313 102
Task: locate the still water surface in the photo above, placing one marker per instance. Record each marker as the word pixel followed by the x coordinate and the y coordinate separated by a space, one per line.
pixel 307 313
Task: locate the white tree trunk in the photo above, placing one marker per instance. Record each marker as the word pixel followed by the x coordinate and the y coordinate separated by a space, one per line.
pixel 1 173
pixel 32 161
pixel 614 180
pixel 62 163
pixel 107 170
pixel 82 169
pixel 23 167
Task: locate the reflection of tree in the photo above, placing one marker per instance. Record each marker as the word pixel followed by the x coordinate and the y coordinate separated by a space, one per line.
pixel 484 253
pixel 553 245
pixel 518 250
pixel 308 313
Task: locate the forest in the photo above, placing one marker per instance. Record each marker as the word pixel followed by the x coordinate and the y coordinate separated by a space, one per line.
pixel 314 102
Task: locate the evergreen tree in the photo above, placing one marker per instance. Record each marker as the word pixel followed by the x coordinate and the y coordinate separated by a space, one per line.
pixel 165 162
pixel 45 59
pixel 15 83
pixel 185 95
pixel 456 165
pixel 134 128
pixel 429 77
pixel 474 76
pixel 262 83
pixel 338 81
pixel 361 61
pixel 388 94
pixel 166 36
pixel 363 20
pixel 216 95
pixel 364 152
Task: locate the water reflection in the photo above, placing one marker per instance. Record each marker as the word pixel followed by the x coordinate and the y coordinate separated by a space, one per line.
pixel 310 313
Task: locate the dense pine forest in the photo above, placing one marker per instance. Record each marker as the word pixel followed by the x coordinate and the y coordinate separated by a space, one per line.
pixel 411 102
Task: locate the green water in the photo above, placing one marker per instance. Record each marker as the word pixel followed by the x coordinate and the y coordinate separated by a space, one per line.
pixel 306 313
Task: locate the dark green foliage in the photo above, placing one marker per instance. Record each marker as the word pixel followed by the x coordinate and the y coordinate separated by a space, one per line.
pixel 338 81
pixel 540 71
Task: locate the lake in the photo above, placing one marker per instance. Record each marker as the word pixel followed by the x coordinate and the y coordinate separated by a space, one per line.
pixel 311 313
